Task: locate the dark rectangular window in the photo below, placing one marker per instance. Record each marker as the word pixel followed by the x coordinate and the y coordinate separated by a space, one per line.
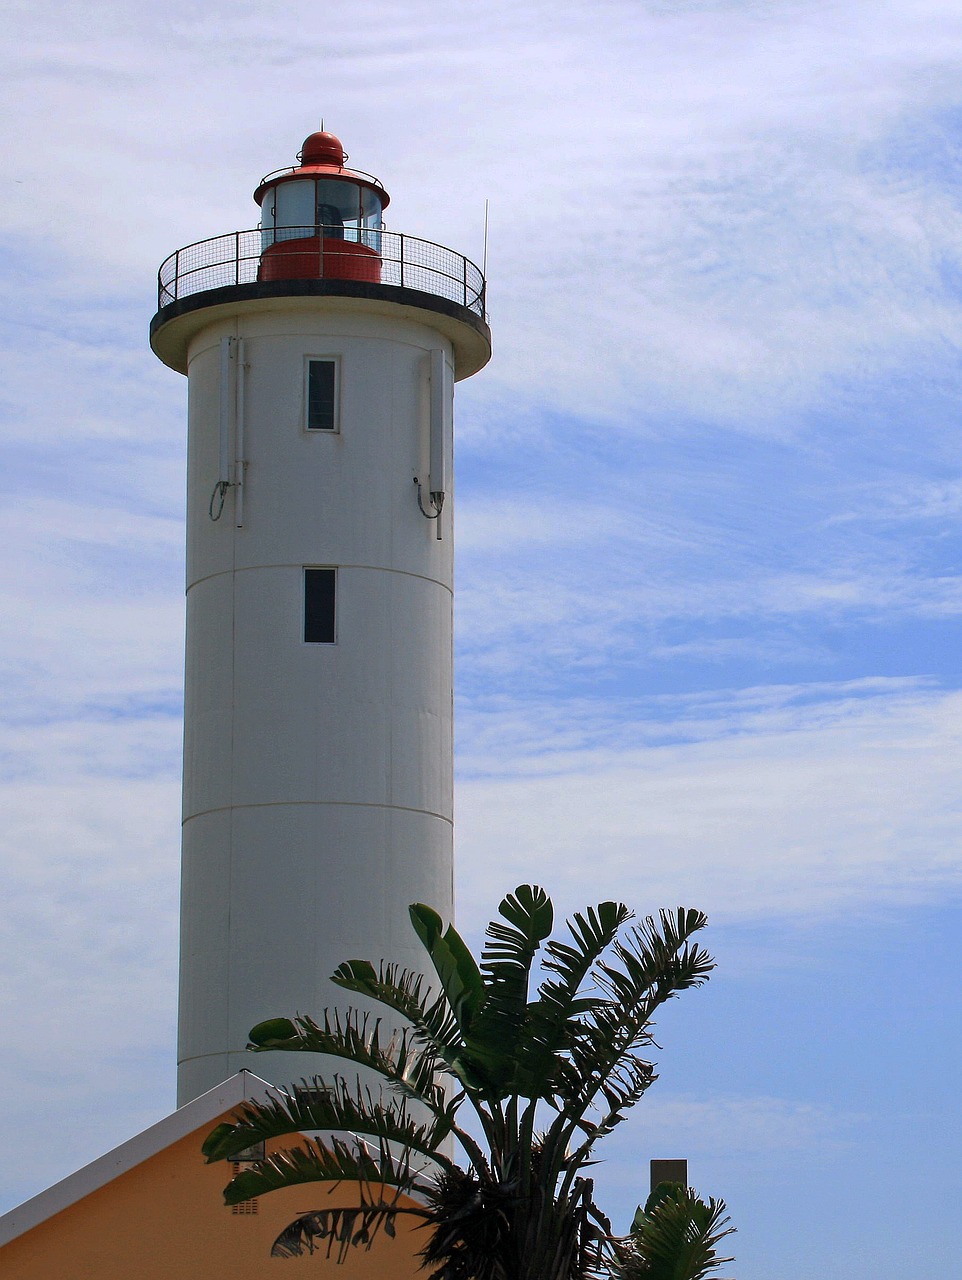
pixel 321 395
pixel 319 595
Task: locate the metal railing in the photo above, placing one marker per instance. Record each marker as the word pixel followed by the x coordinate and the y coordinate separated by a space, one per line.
pixel 239 257
pixel 297 168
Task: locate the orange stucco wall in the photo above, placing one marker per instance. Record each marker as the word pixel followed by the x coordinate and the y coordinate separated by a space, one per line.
pixel 166 1220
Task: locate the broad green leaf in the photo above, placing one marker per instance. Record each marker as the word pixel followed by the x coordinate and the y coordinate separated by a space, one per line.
pixel 506 964
pixel 453 963
pixel 553 1018
pixel 356 1037
pixel 316 1161
pixel 275 1033
pixel 330 1106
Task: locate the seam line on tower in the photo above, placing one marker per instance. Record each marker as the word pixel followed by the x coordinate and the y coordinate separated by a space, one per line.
pixel 374 568
pixel 344 804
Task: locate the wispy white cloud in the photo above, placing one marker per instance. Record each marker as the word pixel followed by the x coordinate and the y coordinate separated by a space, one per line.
pixel 77 633
pixel 755 1126
pixel 794 808
pixel 911 499
pixel 506 625
pixel 88 937
pixel 720 228
pixel 718 1133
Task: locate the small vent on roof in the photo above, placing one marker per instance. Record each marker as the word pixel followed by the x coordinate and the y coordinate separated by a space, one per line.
pixel 246 1208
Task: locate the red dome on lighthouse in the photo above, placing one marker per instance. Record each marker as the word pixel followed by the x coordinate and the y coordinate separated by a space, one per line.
pixel 322 149
pixel 322 155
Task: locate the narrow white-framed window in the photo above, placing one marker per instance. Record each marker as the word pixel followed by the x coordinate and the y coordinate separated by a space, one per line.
pixel 320 606
pixel 322 393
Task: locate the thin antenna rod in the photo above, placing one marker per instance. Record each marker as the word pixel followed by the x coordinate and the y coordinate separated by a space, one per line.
pixel 484 251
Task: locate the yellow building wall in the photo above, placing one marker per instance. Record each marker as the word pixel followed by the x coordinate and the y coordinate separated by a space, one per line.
pixel 166 1219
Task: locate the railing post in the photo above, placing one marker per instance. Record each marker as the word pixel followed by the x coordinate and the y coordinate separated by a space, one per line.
pixel 401 257
pixel 464 274
pixel 176 275
pixel 236 257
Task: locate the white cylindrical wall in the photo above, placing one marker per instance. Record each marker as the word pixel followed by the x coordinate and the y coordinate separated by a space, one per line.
pixel 317 777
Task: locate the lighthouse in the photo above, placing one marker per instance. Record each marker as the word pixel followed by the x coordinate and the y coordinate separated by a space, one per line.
pixel 321 352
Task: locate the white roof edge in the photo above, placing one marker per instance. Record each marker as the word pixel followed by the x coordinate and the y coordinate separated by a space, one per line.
pixel 156 1138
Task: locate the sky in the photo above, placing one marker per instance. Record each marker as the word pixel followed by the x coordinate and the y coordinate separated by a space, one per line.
pixel 709 592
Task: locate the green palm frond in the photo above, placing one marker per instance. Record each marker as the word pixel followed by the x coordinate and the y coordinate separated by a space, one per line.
pixel 625 1087
pixel 335 1106
pixel 356 1037
pixel 675 1237
pixel 433 1022
pixel 652 964
pixel 317 1160
pixel 609 1035
pixel 407 993
pixel 512 944
pixel 453 962
pixel 659 961
pixel 553 1019
pixel 592 932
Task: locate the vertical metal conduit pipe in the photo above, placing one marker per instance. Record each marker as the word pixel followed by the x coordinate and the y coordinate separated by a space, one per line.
pixel 239 463
pixel 223 435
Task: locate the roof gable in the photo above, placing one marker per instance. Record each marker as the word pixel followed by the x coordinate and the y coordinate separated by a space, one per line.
pixel 195 1115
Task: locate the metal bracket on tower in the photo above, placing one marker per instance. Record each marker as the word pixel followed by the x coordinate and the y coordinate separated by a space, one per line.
pixel 436 499
pixel 440 400
pixel 232 415
pixel 217 499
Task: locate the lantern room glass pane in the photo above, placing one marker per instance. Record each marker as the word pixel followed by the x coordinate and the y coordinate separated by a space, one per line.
pixel 294 209
pixel 371 223
pixel 334 208
pixel 338 208
pixel 267 221
pixel 370 207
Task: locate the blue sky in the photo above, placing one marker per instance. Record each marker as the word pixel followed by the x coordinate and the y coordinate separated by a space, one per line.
pixel 709 592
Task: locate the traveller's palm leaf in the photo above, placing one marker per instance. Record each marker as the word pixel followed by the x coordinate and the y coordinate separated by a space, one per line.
pixel 356 1037
pixel 512 944
pixel 324 1160
pixel 652 965
pixel 433 1022
pixel 335 1106
pixel 553 1019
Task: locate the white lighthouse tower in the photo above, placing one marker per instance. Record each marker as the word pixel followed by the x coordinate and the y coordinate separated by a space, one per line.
pixel 321 352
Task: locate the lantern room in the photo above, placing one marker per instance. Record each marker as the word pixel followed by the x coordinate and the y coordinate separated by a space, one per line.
pixel 320 220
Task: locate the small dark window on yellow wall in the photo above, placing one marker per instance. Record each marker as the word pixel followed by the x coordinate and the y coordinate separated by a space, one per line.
pixel 321 395
pixel 320 590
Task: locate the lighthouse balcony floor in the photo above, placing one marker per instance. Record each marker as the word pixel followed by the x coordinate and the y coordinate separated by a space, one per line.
pixel 380 271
